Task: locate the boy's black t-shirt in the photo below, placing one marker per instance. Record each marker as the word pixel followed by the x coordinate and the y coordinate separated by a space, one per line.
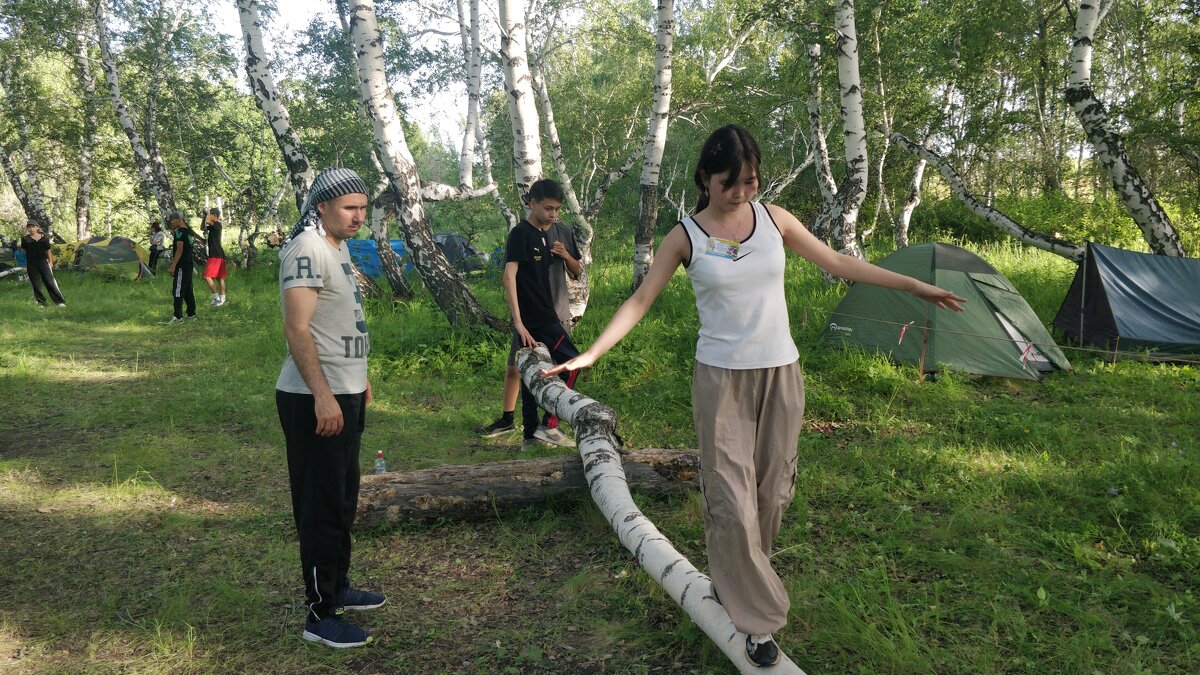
pixel 184 235
pixel 529 247
pixel 214 240
pixel 35 249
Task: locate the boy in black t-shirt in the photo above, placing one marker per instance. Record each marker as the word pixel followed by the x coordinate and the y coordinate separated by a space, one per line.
pixel 182 264
pixel 529 259
pixel 214 269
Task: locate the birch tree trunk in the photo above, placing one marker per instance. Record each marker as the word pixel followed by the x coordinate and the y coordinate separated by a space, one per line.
pixel 595 425
pixel 168 24
pixel 266 96
pixel 381 211
pixel 656 142
pixel 27 190
pixel 578 289
pixel 882 204
pixel 1040 240
pixel 141 156
pixel 821 226
pixel 473 54
pixel 522 113
pixel 87 142
pixel 444 283
pixel 914 187
pixel 1133 192
pixel 34 210
pixel 854 188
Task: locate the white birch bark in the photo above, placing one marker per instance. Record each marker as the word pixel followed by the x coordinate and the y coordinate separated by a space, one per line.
pixel 87 141
pixel 141 156
pixel 444 283
pixel 1036 239
pixel 28 189
pixel 726 57
pixel 577 288
pixel 167 25
pixel 594 424
pixel 914 187
pixel 1190 153
pixel 522 113
pixel 854 188
pixel 882 203
pixel 34 210
pixel 825 182
pixel 656 142
pixel 1108 144
pixel 266 96
pixel 473 54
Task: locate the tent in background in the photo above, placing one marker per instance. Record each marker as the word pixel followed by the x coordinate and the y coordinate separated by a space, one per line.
pixel 996 334
pixel 365 255
pixel 1127 300
pixel 118 257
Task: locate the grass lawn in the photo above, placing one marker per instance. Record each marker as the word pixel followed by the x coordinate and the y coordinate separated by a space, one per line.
pixel 967 525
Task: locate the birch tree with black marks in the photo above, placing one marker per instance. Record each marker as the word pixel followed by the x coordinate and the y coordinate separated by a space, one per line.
pixel 656 142
pixel 854 188
pixel 28 189
pixel 266 97
pixel 1107 142
pixel 87 138
pixel 444 283
pixel 822 225
pixel 518 85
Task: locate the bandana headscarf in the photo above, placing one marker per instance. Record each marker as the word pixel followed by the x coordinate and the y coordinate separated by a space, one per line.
pixel 331 184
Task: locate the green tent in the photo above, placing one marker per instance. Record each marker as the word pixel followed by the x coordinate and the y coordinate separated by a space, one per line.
pixel 118 256
pixel 997 334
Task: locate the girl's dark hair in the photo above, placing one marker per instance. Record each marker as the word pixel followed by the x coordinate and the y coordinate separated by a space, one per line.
pixel 726 149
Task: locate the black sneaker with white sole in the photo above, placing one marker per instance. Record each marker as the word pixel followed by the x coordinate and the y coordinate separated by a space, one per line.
pixel 356 600
pixel 332 631
pixel 764 653
pixel 500 426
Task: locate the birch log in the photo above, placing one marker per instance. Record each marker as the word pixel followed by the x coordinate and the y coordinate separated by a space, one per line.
pixel 522 113
pixel 480 490
pixel 266 97
pixel 854 188
pixel 1040 240
pixel 656 143
pixel 595 425
pixel 1108 144
pixel 444 283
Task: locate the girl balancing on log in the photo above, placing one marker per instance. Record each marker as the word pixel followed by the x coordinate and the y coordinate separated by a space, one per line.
pixel 747 388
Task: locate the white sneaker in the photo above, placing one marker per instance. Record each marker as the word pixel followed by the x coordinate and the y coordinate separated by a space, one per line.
pixel 553 436
pixel 62 304
pixel 219 302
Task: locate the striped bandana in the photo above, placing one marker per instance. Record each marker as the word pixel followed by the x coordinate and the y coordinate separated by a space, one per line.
pixel 331 184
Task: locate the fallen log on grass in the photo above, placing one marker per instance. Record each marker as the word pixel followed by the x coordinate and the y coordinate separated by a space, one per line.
pixel 479 490
pixel 595 432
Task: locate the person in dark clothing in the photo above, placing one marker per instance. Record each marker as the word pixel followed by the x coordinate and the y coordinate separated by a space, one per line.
pixel 39 262
pixel 182 266
pixel 322 396
pixel 214 269
pixel 529 259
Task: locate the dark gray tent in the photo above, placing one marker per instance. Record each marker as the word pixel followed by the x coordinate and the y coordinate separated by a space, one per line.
pixel 1128 300
pixel 460 252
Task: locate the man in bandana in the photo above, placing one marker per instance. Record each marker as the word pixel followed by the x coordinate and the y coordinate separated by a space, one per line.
pixel 322 395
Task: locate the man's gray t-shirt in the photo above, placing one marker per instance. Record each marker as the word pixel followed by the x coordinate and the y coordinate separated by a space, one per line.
pixel 338 325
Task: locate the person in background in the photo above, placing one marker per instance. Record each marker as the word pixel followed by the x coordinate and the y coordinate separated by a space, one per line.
pixel 214 269
pixel 747 388
pixel 530 259
pixel 157 237
pixel 182 266
pixel 39 262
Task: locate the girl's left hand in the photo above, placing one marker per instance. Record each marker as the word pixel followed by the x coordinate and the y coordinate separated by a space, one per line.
pixel 938 296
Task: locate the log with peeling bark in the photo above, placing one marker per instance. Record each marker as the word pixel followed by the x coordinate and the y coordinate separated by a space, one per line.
pixel 480 490
pixel 595 431
pixel 1040 240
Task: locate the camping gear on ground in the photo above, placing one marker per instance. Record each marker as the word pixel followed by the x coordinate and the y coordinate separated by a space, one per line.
pixel 365 255
pixel 116 256
pixel 1125 300
pixel 997 333
pixel 9 265
pixel 461 254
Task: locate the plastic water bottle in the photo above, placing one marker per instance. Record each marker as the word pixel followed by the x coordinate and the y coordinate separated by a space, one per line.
pixel 380 465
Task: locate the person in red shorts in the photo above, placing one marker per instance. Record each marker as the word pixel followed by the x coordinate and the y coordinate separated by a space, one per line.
pixel 214 270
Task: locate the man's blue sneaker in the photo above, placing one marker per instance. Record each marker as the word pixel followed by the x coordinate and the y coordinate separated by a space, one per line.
pixel 355 599
pixel 334 632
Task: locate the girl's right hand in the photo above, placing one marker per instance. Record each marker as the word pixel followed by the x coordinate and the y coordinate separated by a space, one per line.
pixel 578 363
